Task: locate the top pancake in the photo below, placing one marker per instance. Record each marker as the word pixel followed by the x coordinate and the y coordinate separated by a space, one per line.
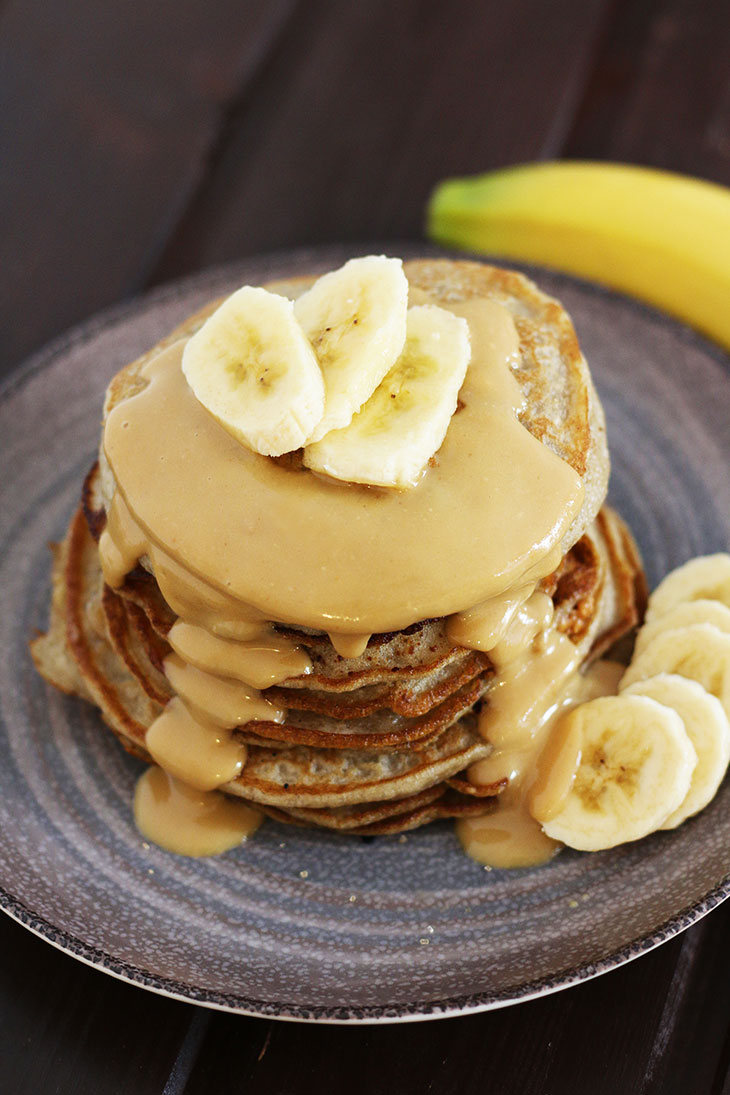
pixel 561 408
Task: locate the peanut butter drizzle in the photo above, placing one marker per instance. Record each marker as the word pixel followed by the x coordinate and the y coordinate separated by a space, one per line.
pixel 539 687
pixel 219 700
pixel 514 719
pixel 507 838
pixel 558 761
pixel 199 602
pixel 219 663
pixel 192 749
pixel 485 626
pixel 236 540
pixel 481 627
pixel 259 662
pixel 349 646
pixel 187 821
pixel 122 543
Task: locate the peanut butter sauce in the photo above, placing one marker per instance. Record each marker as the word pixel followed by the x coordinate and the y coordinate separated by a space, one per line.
pixel 525 726
pixel 237 541
pixel 507 838
pixel 223 653
pixel 187 821
pixel 349 646
pixel 220 700
pixel 192 749
pixel 260 662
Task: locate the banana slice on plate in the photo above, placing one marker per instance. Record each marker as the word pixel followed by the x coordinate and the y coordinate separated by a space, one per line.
pixel 709 731
pixel 355 318
pixel 634 769
pixel 392 438
pixel 700 652
pixel 707 577
pixel 683 615
pixel 254 370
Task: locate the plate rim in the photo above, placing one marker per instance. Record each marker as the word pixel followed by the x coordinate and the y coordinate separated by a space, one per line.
pixel 366 1014
pixel 99 959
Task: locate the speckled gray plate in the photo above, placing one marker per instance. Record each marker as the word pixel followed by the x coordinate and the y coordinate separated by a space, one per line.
pixel 301 925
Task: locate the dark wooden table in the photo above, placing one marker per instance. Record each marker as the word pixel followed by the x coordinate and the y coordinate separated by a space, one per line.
pixel 142 141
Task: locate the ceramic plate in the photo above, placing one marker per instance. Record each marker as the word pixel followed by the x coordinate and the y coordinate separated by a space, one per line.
pixel 302 925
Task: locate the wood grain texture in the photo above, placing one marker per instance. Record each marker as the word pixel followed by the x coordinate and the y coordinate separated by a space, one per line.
pixel 363 108
pixel 111 113
pixel 598 1038
pixel 64 1028
pixel 691 1047
pixel 659 92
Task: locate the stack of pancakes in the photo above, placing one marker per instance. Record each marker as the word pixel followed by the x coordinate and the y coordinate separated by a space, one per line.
pixel 378 743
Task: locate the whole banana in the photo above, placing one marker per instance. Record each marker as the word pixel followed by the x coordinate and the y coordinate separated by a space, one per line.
pixel 662 237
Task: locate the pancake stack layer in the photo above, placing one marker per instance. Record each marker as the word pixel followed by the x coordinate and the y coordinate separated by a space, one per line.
pixel 378 743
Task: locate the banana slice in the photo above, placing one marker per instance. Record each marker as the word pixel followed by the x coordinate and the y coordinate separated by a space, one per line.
pixel 390 441
pixel 682 615
pixel 253 369
pixel 355 318
pixel 634 770
pixel 707 577
pixel 709 731
pixel 700 652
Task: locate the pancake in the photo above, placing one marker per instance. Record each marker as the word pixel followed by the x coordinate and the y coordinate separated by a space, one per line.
pixel 384 818
pixel 416 696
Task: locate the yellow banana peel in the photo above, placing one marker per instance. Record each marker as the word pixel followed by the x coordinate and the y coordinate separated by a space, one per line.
pixel 662 237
